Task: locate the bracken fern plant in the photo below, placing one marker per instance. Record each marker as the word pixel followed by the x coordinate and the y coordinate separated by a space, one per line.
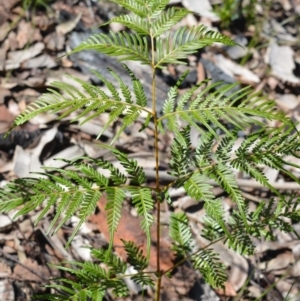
pixel 217 111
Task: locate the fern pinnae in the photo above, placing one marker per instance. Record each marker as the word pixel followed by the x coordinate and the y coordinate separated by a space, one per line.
pixel 113 116
pixel 143 202
pixel 124 88
pixel 211 268
pixel 133 22
pixel 185 41
pixel 203 155
pixel 167 20
pixel 218 111
pixel 223 175
pixel 123 45
pixel 214 209
pixel 72 207
pixel 87 208
pixel 225 146
pixel 103 108
pixel 196 187
pixel 136 173
pixel 180 233
pixel 239 97
pixel 93 175
pixel 186 97
pixel 114 93
pixel 156 7
pixel 138 89
pixel 95 107
pixel 136 6
pixel 63 203
pixel 135 255
pixel 204 119
pixel 68 89
pixel 115 197
pixel 169 103
pixel 185 116
pixel 131 117
pixel 200 95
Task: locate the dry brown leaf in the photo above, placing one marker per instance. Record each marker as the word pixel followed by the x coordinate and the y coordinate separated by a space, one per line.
pixel 6 290
pixel 2 58
pixel 5 270
pixel 282 69
pixel 12 41
pixel 203 8
pixel 71 152
pixel 27 161
pixel 27 34
pixel 41 61
pixel 6 116
pixel 4 30
pixel 4 93
pixel 55 41
pixel 229 291
pixel 281 261
pixel 130 230
pixel 233 69
pixel 68 26
pixel 287 102
pixel 200 72
pixel 15 58
pixel 30 270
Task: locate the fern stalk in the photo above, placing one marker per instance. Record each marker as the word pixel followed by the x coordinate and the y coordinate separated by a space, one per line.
pixel 156 150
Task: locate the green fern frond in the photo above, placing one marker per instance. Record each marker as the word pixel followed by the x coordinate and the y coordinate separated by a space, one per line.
pixel 143 202
pixel 224 148
pixel 92 283
pixel 180 161
pixel 209 265
pixel 203 155
pixel 72 193
pixel 212 230
pixel 136 6
pixel 224 176
pixel 123 45
pixel 94 104
pixel 175 48
pixel 240 240
pixel 143 280
pixel 196 187
pixel 156 7
pixel 266 148
pixel 115 264
pixel 181 233
pixel 138 89
pixel 215 211
pixel 214 109
pixel 115 176
pixel 217 112
pixel 167 20
pixel 134 22
pixel 136 173
pixel 135 255
pixel 169 106
pixel 115 197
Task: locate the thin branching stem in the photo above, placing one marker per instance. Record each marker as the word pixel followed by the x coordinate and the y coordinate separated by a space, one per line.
pixel 155 118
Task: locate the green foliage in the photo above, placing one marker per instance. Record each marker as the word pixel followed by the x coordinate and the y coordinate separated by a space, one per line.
pixel 214 110
pixel 35 4
pixel 231 10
